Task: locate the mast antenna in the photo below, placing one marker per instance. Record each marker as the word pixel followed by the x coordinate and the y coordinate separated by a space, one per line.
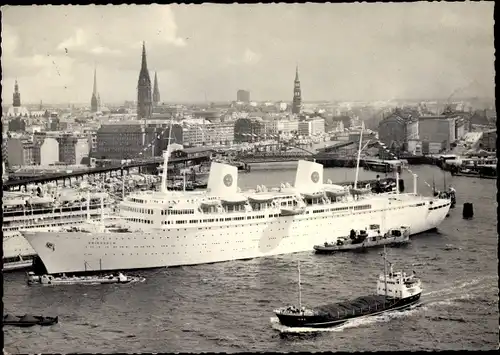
pixel 300 292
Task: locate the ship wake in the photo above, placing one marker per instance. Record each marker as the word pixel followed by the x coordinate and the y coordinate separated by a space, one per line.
pixel 456 292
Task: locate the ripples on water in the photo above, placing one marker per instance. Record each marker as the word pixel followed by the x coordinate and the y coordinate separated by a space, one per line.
pixel 228 306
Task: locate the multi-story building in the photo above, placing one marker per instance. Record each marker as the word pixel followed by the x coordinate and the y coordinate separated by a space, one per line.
pixel 45 151
pixel 19 152
pixel 194 133
pixel 133 140
pixel 17 124
pixel 488 140
pixel 482 119
pixel 287 127
pixel 332 122
pixel 73 148
pixel 332 125
pixel 437 129
pixel 311 127
pixel 243 96
pixel 54 123
pixel 5 152
pixel 398 128
pixel 223 133
pixel 461 128
pixel 249 130
pixel 92 141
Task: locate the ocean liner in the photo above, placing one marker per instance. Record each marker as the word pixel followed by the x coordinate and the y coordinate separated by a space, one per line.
pixel 161 228
pixel 395 291
pixel 38 210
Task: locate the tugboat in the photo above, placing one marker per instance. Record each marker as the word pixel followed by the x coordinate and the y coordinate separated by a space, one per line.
pixel 362 240
pixel 395 291
pixel 51 280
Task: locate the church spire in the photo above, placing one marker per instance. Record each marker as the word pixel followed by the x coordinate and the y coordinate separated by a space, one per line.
pixel 94 104
pixel 156 91
pixel 297 93
pixel 144 64
pixel 94 91
pixel 144 103
pixel 16 97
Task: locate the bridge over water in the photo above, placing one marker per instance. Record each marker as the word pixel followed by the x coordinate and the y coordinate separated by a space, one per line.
pixel 106 171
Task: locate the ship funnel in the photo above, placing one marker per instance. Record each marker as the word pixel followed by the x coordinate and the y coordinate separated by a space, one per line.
pixel 309 176
pixel 222 179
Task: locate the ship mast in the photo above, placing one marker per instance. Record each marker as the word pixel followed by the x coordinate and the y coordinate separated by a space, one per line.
pixel 165 161
pixel 385 272
pixel 359 153
pixel 300 292
pixel 88 204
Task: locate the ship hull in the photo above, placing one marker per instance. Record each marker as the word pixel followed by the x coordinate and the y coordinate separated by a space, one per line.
pixel 63 252
pixel 15 245
pixel 298 320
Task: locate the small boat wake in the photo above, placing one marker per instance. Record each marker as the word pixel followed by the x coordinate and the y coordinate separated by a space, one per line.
pixel 354 323
pixel 457 291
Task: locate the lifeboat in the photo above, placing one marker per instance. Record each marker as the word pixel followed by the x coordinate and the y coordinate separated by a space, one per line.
pixel 292 210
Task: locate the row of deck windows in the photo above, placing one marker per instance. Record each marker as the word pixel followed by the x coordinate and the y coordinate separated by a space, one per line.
pixel 138 209
pixel 177 212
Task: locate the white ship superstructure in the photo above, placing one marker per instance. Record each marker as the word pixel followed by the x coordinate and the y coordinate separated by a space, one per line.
pixel 158 229
pixel 46 208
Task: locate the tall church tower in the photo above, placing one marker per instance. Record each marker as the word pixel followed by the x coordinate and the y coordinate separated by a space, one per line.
pixel 156 92
pixel 94 104
pixel 144 104
pixel 297 96
pixel 16 97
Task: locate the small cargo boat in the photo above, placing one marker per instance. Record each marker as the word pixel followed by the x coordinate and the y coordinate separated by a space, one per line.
pixel 362 240
pixel 395 291
pixel 51 280
pixel 17 263
pixel 29 320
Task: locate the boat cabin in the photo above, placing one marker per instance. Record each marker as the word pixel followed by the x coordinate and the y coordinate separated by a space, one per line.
pixel 399 284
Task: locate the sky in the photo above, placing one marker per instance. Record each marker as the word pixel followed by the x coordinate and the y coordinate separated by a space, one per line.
pixel 346 52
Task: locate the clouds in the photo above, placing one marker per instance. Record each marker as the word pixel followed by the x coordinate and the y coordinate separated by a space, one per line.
pixel 248 57
pixel 345 51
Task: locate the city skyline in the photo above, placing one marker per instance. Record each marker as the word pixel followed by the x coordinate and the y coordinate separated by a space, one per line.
pixel 390 51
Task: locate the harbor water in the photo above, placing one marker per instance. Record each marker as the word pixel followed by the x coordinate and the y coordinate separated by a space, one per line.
pixel 228 307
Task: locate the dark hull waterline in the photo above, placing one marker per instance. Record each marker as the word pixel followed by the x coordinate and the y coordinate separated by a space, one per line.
pixel 297 320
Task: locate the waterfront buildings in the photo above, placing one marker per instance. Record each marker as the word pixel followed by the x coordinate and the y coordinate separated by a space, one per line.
pixel 488 140
pixel 133 140
pixel 399 127
pixel 249 129
pixel 311 126
pixel 414 130
pixel 437 130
